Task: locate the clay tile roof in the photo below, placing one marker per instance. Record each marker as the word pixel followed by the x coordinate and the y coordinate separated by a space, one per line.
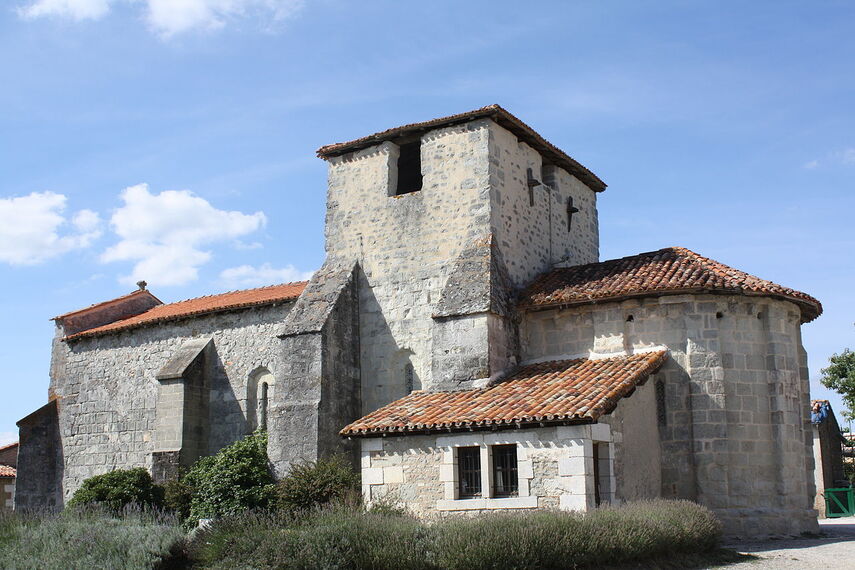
pixel 202 305
pixel 6 471
pixel 137 293
pixel 566 391
pixel 501 116
pixel 669 271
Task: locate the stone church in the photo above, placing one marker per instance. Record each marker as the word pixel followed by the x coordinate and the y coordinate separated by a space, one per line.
pixel 464 345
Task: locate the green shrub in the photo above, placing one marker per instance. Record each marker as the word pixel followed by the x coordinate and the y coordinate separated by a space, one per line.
pixel 88 538
pixel 318 483
pixel 548 539
pixel 341 537
pixel 177 496
pixel 232 481
pixel 116 489
pixel 337 537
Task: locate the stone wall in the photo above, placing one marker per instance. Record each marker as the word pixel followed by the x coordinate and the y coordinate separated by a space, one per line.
pixel 418 248
pixel 406 245
pixel 736 431
pixel 108 391
pixel 7 493
pixel 319 383
pixel 531 227
pixel 638 457
pixel 555 469
pixel 38 485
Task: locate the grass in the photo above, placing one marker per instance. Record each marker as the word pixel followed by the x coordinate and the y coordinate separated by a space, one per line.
pixel 87 539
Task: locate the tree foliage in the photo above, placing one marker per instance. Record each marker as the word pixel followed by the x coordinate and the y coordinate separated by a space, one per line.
pixel 840 377
pixel 236 479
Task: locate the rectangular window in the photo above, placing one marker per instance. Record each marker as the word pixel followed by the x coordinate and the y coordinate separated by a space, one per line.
pixel 505 476
pixel 469 472
pixel 409 168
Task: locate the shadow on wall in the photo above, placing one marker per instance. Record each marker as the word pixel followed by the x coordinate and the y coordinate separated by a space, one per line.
pixel 388 369
pixel 40 461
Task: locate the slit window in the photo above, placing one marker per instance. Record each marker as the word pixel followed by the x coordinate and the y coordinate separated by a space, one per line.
pixel 262 407
pixel 409 377
pixel 409 168
pixel 505 475
pixel 661 412
pixel 469 472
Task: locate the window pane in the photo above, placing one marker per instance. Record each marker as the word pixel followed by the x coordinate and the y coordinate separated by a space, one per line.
pixel 505 477
pixel 469 472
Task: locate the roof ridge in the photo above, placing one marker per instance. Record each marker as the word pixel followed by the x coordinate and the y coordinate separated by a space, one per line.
pixel 212 295
pixel 108 301
pixel 667 271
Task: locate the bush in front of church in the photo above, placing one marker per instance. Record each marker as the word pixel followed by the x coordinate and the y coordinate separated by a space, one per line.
pixel 234 480
pixel 316 483
pixel 119 488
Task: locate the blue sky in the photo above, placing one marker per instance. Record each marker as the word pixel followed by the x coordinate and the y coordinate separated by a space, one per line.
pixel 723 127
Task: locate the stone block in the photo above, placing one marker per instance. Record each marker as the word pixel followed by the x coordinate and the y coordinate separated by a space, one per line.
pixel 394 474
pixel 446 472
pixel 372 476
pixel 568 502
pixel 372 444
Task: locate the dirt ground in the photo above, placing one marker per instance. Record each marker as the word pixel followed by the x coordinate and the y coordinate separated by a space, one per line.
pixel 834 550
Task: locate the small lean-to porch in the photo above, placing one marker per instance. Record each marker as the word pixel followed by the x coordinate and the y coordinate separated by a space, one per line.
pixel 530 441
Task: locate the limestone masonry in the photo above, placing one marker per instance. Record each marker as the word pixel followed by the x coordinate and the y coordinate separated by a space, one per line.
pixel 450 345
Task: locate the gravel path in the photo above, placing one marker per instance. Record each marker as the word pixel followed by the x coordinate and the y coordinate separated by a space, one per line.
pixel 835 550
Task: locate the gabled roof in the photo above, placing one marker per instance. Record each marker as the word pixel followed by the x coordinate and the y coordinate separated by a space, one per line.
pixel 566 391
pixel 8 446
pixel 668 271
pixel 102 304
pixel 7 471
pixel 550 152
pixel 200 306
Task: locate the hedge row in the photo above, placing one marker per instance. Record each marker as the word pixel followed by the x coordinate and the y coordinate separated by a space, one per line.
pixel 347 538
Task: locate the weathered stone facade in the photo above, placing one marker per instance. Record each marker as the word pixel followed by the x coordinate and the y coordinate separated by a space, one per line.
pixel 111 402
pixel 419 292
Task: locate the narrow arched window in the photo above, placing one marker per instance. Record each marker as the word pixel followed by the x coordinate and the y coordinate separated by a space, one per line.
pixel 262 406
pixel 259 392
pixel 409 377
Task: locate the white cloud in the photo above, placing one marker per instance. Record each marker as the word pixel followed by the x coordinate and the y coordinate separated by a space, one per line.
pixel 30 228
pixel 74 9
pixel 170 17
pixel 7 437
pixel 845 157
pixel 164 234
pixel 248 276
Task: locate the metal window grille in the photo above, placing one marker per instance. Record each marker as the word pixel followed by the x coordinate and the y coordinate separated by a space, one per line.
pixel 469 472
pixel 505 475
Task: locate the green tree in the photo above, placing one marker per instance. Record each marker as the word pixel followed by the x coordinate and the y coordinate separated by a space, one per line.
pixel 840 377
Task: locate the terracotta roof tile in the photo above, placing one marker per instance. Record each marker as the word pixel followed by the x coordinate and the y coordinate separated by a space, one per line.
pixel 6 471
pixel 496 113
pixel 201 305
pixel 137 293
pixel 580 390
pixel 673 270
